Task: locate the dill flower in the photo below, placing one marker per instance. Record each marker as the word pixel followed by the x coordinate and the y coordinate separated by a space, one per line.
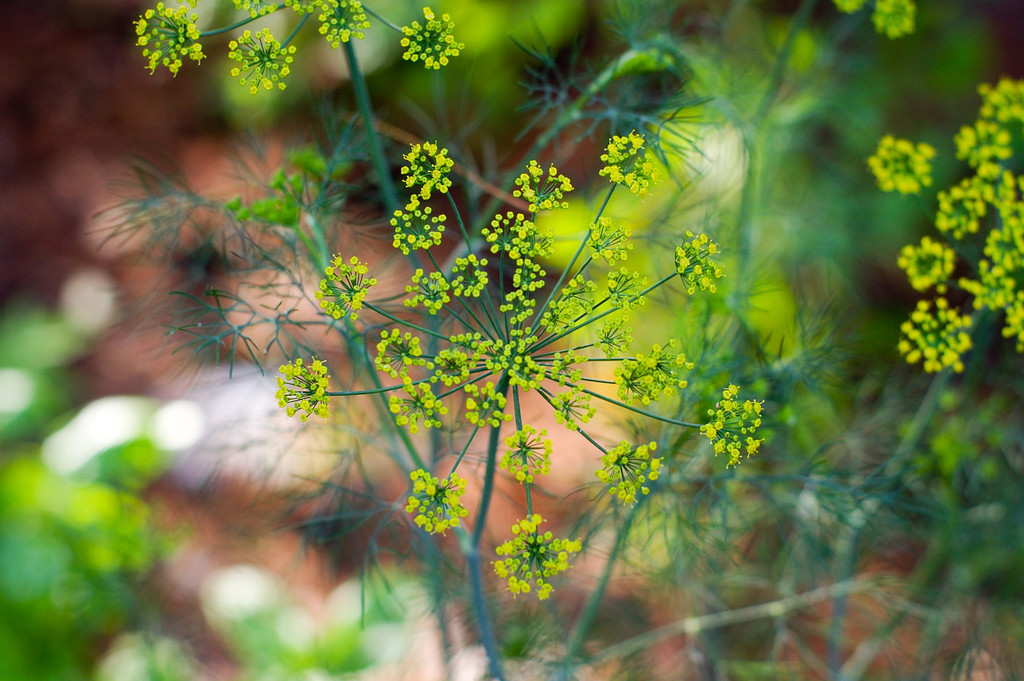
pixel 894 18
pixel 928 264
pixel 429 290
pixel 428 168
pixel 417 228
pixel 962 207
pixel 572 408
pixel 345 288
pixel 610 242
pixel 417 403
pixel 1003 102
pixel 341 20
pixel 469 276
pixel 263 61
pixel 627 163
pixel 694 264
pixel 939 338
pixel 983 146
pixel 628 469
pixel 398 351
pixel 435 503
pixel 167 36
pixel 303 389
pixel 902 166
pixel 484 406
pixel 528 454
pixel 256 8
pixel 542 190
pixel 432 43
pixel 532 558
pixel 733 425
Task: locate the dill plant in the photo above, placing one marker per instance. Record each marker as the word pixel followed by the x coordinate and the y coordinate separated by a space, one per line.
pixel 486 317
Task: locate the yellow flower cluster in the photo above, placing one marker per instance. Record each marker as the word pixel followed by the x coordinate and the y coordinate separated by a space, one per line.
pixel 433 43
pixel 303 389
pixel 543 191
pixel 532 558
pixel 628 469
pixel 894 18
pixel 528 454
pixel 256 8
pixel 900 165
pixel 428 168
pixel 694 264
pixel 345 287
pixel 168 35
pixel 342 20
pixel 417 403
pixel 263 61
pixel 627 163
pixel 940 338
pixel 732 425
pixel 928 264
pixel 989 203
pixel 435 503
pixel 416 227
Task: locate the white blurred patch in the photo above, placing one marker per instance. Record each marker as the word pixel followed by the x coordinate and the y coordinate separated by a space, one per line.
pixel 89 300
pixel 102 424
pixel 178 425
pixel 17 390
pixel 238 592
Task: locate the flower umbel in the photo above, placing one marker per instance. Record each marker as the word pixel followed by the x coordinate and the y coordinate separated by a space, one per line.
pixel 435 503
pixel 342 20
pixel 432 43
pixel 428 168
pixel 928 264
pixel 167 36
pixel 940 338
pixel 894 18
pixel 628 469
pixel 303 389
pixel 542 190
pixel 694 264
pixel 733 425
pixel 532 558
pixel 345 288
pixel 627 163
pixel 263 61
pixel 528 454
pixel 900 165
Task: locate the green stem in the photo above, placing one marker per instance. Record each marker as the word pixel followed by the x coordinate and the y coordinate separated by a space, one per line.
pixel 295 31
pixel 387 184
pixel 623 405
pixel 237 24
pixel 381 19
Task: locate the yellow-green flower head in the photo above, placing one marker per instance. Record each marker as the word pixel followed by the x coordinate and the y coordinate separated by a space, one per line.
pixel 628 469
pixel 626 163
pixel 469 276
pixel 303 7
pixel 398 351
pixel 450 366
pixel 963 206
pixel 484 406
pixel 432 43
pixel 416 227
pixel 894 18
pixel 1013 324
pixel 532 558
pixel 1003 102
pixel 303 389
pixel 983 146
pixel 939 337
pixel 694 264
pixel 263 61
pixel 565 369
pixel 416 404
pixel 428 169
pixel 345 288
pixel 542 190
pixel 256 8
pixel 928 264
pixel 573 408
pixel 649 377
pixel 429 290
pixel 528 454
pixel 435 503
pixel 167 36
pixel 625 289
pixel 610 242
pixel 900 165
pixel 614 336
pixel 733 425
pixel 342 20
pixel 849 6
